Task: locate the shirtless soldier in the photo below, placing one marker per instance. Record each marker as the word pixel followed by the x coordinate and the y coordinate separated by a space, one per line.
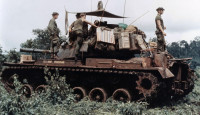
pixel 161 45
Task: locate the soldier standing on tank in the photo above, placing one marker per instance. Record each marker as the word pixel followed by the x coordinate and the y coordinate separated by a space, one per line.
pixel 161 44
pixel 71 33
pixel 54 35
pixel 79 29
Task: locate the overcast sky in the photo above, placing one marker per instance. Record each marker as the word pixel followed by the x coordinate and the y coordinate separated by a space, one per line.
pixel 19 17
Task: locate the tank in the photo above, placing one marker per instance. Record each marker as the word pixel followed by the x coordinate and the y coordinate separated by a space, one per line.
pixel 115 62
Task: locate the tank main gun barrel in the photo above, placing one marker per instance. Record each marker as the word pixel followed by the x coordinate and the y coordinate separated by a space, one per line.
pixel 30 50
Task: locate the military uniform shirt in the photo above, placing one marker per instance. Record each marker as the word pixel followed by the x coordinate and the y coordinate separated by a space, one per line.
pixel 78 25
pixel 84 27
pixel 52 27
pixel 158 17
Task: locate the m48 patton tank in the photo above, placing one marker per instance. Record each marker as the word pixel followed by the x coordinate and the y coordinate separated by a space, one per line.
pixel 114 62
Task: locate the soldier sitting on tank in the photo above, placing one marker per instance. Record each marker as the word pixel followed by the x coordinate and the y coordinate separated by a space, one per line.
pixel 79 28
pixel 54 35
pixel 92 34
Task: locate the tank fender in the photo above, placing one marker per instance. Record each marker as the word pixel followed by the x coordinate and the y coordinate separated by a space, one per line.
pixel 165 72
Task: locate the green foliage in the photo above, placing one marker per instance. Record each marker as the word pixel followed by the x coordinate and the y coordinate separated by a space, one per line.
pixel 12 56
pixel 183 49
pixel 41 40
pixel 2 58
pixel 197 72
pixel 59 90
pixel 59 100
pixel 56 100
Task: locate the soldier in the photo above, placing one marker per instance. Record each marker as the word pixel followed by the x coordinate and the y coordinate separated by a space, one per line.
pixel 161 45
pixel 54 35
pixel 92 33
pixel 92 30
pixel 80 26
pixel 71 32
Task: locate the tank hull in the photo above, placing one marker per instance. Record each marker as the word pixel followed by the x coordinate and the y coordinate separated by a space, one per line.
pixel 131 80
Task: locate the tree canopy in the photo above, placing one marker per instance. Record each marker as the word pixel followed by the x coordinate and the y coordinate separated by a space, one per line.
pixel 183 49
pixel 41 40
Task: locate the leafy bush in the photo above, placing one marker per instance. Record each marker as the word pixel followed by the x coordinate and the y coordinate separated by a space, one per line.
pixel 59 100
pixel 197 71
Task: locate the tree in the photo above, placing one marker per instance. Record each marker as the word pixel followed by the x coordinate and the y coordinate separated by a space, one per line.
pixel 12 56
pixel 174 49
pixel 2 58
pixel 184 48
pixel 41 40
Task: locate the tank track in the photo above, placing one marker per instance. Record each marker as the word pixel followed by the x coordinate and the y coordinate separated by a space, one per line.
pixel 97 83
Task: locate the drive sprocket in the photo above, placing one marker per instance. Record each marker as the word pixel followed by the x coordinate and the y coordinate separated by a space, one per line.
pixel 147 85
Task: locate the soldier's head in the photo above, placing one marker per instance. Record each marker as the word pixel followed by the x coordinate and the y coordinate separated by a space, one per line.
pixel 96 22
pixel 77 15
pixel 55 15
pixel 83 15
pixel 160 10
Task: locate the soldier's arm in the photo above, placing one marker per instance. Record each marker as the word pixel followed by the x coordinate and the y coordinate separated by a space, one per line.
pixel 160 27
pixel 89 23
pixel 71 26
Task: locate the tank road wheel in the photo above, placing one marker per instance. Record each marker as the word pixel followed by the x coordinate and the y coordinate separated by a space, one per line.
pixel 98 94
pixel 122 95
pixel 80 93
pixel 27 90
pixel 147 85
pixel 10 81
pixel 41 89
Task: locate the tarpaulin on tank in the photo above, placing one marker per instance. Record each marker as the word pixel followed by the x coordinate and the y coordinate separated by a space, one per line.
pixel 101 13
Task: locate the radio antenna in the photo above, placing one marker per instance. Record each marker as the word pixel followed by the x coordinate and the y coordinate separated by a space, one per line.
pixel 139 17
pixel 124 10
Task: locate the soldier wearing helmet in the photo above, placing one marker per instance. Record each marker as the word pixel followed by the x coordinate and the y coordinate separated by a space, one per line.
pixel 161 47
pixel 54 35
pixel 80 28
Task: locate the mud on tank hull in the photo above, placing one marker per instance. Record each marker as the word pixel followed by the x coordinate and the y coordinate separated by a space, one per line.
pixel 136 79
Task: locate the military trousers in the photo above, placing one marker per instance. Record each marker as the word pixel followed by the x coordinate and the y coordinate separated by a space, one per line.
pixel 78 42
pixel 54 44
pixel 161 44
